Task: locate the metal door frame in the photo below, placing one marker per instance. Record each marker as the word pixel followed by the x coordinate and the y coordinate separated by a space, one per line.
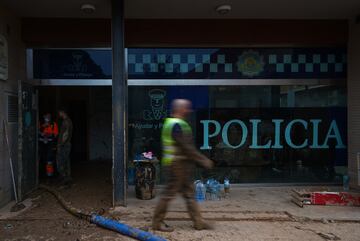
pixel 20 170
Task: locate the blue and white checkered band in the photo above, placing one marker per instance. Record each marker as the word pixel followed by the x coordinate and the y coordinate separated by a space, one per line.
pixel 195 63
pixel 237 63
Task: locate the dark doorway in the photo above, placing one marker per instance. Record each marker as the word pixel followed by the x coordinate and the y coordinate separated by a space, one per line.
pixel 77 111
pixel 90 110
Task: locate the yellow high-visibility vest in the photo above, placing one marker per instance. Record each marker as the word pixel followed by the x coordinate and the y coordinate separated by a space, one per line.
pixel 167 140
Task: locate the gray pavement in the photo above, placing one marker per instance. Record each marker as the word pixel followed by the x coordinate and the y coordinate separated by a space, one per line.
pixel 246 200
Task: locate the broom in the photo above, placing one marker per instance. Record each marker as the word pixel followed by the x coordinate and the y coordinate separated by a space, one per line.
pixel 18 206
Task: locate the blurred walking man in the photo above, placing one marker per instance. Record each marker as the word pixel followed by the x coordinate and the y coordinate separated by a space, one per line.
pixel 179 159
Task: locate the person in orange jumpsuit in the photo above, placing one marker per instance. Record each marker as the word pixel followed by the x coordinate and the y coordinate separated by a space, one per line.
pixel 48 132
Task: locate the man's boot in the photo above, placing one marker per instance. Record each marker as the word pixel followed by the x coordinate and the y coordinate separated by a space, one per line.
pixel 194 212
pixel 202 225
pixel 158 219
pixel 163 227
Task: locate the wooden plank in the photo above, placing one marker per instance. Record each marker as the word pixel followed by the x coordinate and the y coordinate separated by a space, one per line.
pixel 301 199
pixel 300 204
pixel 302 193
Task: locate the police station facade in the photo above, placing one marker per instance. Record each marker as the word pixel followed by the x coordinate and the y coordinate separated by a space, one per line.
pixel 265 112
pixel 275 101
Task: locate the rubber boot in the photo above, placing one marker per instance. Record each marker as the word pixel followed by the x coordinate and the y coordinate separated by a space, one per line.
pixel 194 212
pixel 159 215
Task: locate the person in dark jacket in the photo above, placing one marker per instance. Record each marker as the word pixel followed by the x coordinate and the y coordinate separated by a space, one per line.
pixel 64 148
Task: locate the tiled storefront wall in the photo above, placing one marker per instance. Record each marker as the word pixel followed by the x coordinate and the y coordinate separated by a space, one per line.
pixel 10 29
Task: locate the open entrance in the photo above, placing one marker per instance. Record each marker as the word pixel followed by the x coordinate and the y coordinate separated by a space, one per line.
pixel 90 111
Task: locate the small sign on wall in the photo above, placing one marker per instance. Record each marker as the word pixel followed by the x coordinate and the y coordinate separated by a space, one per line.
pixel 3 58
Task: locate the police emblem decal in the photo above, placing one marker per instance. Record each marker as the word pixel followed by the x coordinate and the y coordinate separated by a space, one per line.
pixel 250 63
pixel 157 104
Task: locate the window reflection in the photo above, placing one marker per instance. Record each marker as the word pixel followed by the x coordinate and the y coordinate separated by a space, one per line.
pixel 312 149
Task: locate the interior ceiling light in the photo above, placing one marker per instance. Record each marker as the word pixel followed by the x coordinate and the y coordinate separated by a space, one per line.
pixel 87 8
pixel 223 9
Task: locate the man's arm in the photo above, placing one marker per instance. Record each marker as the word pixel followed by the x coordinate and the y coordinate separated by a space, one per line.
pixel 188 148
pixel 65 134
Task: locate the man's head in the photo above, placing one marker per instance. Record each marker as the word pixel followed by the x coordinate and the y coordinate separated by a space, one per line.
pixel 62 113
pixel 47 117
pixel 181 108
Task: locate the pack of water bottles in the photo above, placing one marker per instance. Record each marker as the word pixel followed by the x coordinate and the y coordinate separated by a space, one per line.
pixel 211 190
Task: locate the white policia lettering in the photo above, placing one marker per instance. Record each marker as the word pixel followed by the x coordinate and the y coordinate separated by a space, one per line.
pixel 275 143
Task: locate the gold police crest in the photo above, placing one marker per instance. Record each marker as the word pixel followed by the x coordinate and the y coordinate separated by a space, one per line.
pixel 251 63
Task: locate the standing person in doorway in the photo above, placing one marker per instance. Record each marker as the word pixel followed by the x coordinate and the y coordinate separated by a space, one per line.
pixel 64 148
pixel 179 159
pixel 48 132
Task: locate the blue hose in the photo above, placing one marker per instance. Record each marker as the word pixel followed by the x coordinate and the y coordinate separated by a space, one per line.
pixel 125 229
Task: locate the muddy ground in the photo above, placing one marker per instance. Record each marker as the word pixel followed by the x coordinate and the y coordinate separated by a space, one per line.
pixel 250 214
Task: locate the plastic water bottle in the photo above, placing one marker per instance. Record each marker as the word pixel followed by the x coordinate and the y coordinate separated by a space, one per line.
pixel 213 187
pixel 346 181
pixel 227 187
pixel 203 191
pixel 209 187
pixel 217 190
pixel 199 191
